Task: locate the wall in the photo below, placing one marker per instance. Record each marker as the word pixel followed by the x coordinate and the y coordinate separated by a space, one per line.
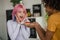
pixel 3 33
pixel 29 3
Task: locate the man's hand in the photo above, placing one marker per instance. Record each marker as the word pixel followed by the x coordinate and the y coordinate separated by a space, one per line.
pixel 32 25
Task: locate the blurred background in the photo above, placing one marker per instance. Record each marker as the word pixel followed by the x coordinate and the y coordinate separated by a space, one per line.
pixel 35 9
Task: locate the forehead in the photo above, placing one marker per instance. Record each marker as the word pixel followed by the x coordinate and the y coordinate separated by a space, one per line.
pixel 20 9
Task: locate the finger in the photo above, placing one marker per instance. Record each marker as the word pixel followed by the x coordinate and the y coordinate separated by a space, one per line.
pixel 31 25
pixel 17 18
pixel 27 23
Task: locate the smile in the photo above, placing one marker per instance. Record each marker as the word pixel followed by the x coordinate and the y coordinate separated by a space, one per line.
pixel 21 16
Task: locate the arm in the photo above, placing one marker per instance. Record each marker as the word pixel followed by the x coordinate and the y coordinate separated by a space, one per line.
pixel 48 35
pixel 51 28
pixel 44 35
pixel 12 34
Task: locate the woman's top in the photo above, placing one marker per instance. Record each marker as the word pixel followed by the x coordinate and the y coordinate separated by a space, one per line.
pixel 18 31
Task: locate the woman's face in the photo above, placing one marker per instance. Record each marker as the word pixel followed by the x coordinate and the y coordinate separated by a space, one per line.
pixel 20 14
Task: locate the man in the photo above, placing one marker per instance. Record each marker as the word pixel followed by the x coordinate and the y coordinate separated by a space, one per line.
pixel 53 26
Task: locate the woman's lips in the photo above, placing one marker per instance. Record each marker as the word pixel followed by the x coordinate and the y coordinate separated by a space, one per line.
pixel 21 16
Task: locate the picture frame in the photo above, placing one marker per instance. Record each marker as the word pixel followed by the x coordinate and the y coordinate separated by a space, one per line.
pixel 37 10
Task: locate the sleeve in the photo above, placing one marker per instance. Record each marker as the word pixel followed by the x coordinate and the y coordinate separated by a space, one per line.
pixel 52 23
pixel 25 32
pixel 12 34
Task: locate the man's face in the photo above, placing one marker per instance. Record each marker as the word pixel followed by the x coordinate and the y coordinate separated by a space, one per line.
pixel 49 10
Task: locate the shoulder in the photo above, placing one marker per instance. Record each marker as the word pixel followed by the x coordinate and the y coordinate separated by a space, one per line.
pixel 9 21
pixel 53 18
pixel 11 24
pixel 52 22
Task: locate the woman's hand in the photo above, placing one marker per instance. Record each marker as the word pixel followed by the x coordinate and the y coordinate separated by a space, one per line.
pixel 17 19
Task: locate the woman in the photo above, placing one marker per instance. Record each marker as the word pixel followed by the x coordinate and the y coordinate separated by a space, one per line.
pixel 53 26
pixel 16 28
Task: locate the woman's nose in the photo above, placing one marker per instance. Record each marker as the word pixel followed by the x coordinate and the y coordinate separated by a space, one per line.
pixel 21 16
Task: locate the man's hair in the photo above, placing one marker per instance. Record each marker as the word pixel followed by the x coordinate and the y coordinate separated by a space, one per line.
pixel 55 4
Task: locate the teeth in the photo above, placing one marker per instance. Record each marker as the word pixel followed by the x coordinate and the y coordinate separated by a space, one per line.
pixel 21 16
